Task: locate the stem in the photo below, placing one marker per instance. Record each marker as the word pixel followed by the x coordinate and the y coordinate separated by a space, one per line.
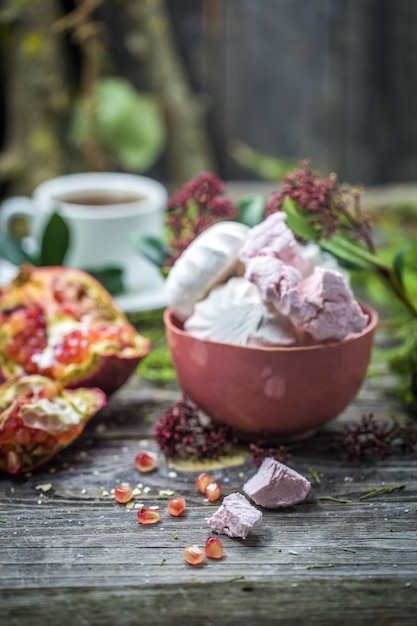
pixel 391 278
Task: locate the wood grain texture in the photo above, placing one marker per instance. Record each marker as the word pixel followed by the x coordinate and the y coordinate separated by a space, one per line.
pixel 70 554
pixel 334 82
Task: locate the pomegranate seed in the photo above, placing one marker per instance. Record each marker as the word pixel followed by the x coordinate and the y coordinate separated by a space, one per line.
pixel 145 462
pixel 214 548
pixel 176 506
pixel 123 493
pixel 28 336
pixel 148 516
pixel 213 491
pixel 203 480
pixel 13 462
pixel 194 555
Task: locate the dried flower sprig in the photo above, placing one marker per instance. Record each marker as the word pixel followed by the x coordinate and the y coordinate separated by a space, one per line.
pixel 185 432
pixel 332 208
pixel 190 210
pixel 194 207
pixel 262 449
pixel 325 213
pixel 371 439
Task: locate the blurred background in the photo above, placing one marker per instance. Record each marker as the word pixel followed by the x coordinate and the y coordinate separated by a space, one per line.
pixel 170 88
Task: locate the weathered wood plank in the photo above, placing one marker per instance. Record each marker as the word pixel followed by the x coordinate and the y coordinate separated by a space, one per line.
pixel 320 601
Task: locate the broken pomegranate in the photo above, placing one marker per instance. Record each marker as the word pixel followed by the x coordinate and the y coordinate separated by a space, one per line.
pixel 38 419
pixel 61 323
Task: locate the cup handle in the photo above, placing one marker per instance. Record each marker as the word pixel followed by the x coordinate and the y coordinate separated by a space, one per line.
pixel 17 216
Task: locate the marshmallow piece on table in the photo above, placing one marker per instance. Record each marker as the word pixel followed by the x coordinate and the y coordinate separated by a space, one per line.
pixel 276 486
pixel 326 307
pixel 235 313
pixel 235 517
pixel 272 237
pixel 210 259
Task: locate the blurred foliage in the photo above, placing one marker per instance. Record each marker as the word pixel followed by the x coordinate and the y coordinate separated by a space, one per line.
pixel 395 228
pixel 266 167
pixel 127 124
pixel 157 366
pixel 54 243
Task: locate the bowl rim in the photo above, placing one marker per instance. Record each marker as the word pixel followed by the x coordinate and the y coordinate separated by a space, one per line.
pixel 175 325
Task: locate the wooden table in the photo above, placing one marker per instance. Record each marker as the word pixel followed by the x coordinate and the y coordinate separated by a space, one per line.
pixel 69 554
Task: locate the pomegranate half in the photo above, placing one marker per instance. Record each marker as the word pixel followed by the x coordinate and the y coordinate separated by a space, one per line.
pixel 38 419
pixel 61 323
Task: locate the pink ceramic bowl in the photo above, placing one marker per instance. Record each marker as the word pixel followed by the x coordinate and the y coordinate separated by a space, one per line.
pixel 283 391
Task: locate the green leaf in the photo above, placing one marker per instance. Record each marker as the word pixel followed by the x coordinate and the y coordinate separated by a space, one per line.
pixel 340 245
pixel 110 277
pixel 298 221
pixel 267 167
pixel 11 249
pixel 251 210
pixel 398 264
pixel 150 247
pixel 129 124
pixel 55 241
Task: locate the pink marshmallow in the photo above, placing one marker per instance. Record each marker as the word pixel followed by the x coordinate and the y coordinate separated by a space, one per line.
pixel 276 486
pixel 326 308
pixel 235 517
pixel 276 281
pixel 273 237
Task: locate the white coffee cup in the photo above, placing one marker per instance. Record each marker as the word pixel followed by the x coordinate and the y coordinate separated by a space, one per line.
pixel 103 211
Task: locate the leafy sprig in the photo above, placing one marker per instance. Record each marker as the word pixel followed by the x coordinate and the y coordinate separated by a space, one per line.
pixel 53 248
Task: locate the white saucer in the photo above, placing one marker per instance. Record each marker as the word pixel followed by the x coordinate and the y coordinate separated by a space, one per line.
pixel 137 302
pixel 131 302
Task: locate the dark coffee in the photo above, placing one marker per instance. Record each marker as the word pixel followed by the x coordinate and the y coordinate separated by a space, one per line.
pixel 99 198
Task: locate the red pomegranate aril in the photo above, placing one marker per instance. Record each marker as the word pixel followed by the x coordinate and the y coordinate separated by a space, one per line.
pixel 74 347
pixel 176 506
pixel 194 555
pixel 148 516
pixel 203 480
pixel 213 491
pixel 145 462
pixel 123 493
pixel 22 436
pixel 214 548
pixel 28 335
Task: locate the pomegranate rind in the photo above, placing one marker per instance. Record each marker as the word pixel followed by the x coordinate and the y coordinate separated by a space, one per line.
pixel 70 300
pixel 38 419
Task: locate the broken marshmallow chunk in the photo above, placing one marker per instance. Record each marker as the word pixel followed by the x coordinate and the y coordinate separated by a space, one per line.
pixel 272 237
pixel 314 256
pixel 276 486
pixel 326 307
pixel 235 313
pixel 275 280
pixel 235 517
pixel 210 259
